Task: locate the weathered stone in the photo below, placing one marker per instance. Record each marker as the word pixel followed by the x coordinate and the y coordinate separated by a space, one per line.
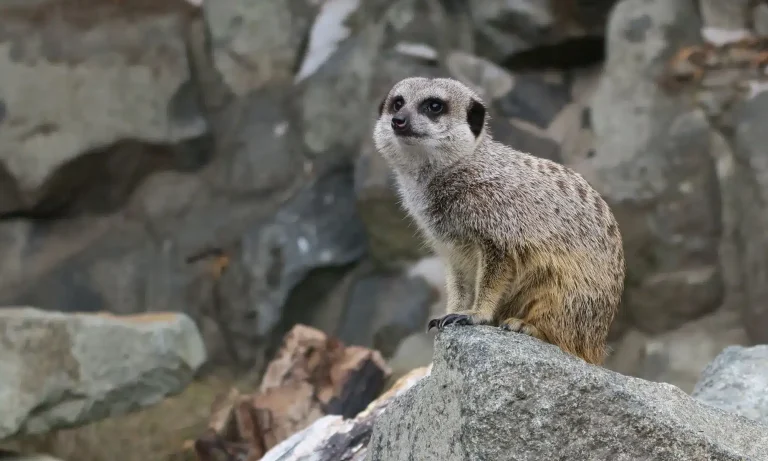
pixel 63 370
pixel 535 98
pixel 501 396
pixel 678 357
pixel 743 171
pixel 384 308
pixel 259 149
pixel 731 15
pixel 255 44
pixel 333 96
pixel 267 248
pixel 736 382
pixel 653 165
pixel 508 27
pixel 119 100
pixel 414 351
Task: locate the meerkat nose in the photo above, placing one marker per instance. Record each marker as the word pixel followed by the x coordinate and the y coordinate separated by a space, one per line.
pixel 399 123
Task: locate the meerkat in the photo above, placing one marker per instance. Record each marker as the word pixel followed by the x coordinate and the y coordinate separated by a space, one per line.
pixel 529 245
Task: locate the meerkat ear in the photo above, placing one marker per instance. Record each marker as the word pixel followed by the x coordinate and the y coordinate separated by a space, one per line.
pixel 381 106
pixel 476 117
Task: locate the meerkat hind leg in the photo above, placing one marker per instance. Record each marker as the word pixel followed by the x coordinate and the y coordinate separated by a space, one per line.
pixel 521 326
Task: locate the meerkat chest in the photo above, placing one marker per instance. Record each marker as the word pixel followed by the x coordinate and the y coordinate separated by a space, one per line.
pixel 413 199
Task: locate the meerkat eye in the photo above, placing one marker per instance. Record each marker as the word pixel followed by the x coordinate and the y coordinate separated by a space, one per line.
pixel 397 103
pixel 434 106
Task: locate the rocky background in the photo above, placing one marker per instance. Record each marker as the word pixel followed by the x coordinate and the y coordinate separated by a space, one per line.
pixel 214 158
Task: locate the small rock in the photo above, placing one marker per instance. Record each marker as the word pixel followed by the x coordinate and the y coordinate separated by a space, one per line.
pixel 736 381
pixel 313 375
pixel 65 370
pixel 495 395
pixel 332 438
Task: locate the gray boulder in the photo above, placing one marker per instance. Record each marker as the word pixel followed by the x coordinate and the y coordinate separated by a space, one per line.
pixel 737 381
pixel 743 172
pixel 108 102
pixel 653 164
pixel 65 370
pixel 495 395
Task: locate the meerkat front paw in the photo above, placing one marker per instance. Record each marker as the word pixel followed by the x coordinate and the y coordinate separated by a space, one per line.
pixel 521 326
pixel 457 318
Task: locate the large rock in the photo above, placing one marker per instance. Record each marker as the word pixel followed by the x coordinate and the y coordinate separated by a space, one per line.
pixel 736 381
pixel 271 202
pixel 59 371
pixel 501 396
pixel 236 297
pixel 744 183
pixel 653 164
pixel 119 101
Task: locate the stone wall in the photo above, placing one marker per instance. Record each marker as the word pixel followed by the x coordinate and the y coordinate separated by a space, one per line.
pixel 214 158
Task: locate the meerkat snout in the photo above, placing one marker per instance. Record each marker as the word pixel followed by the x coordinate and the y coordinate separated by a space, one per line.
pixel 428 123
pixel 400 125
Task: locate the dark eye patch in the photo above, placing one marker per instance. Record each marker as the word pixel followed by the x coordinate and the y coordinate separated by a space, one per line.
pixel 397 103
pixel 433 107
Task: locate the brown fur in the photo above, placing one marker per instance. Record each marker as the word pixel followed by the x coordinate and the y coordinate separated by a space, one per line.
pixel 530 246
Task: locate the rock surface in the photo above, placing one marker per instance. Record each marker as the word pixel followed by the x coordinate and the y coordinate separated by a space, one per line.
pixel 658 168
pixel 678 356
pixel 134 134
pixel 736 381
pixel 507 28
pixel 65 370
pixel 501 396
pixel 131 88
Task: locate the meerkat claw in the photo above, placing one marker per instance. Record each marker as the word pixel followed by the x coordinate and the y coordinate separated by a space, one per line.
pixel 441 322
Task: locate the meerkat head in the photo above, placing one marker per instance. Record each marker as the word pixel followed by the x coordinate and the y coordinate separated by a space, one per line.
pixel 429 123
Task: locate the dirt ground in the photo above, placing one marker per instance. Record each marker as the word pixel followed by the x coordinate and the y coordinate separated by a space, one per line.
pixel 157 433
